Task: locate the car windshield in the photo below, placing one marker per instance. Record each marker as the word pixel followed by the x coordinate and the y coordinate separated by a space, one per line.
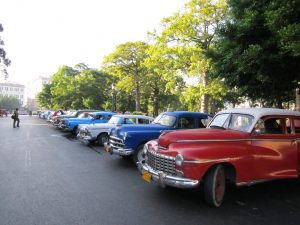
pixel 115 120
pixel 219 121
pixel 165 120
pixel 240 122
pixel 85 115
pixel 72 113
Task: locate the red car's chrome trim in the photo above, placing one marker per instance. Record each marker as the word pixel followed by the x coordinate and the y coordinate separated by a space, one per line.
pixel 255 182
pixel 208 160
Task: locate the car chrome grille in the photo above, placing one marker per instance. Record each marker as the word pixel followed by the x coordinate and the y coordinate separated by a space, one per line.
pixel 159 162
pixel 116 143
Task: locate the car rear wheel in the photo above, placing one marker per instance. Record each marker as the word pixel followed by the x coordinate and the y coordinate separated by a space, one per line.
pixel 214 186
pixel 102 138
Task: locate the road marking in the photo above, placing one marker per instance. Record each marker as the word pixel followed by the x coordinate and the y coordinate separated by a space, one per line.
pixel 27 158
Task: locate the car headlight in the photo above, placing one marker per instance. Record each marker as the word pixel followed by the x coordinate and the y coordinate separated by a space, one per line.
pixel 125 136
pixel 179 160
pixel 145 149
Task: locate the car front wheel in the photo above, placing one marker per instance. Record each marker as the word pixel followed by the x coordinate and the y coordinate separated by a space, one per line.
pixel 102 138
pixel 138 155
pixel 214 186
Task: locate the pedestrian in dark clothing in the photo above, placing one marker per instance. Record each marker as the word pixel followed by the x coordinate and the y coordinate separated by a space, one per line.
pixel 16 118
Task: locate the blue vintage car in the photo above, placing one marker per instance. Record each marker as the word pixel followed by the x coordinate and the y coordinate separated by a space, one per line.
pixel 129 140
pixel 71 124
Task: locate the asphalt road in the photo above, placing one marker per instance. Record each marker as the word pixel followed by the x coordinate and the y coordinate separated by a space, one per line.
pixel 48 178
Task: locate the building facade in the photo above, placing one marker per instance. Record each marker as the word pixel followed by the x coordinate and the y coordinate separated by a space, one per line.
pixel 35 87
pixel 11 89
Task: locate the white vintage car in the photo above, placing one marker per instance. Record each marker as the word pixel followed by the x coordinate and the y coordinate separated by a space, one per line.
pixel 100 132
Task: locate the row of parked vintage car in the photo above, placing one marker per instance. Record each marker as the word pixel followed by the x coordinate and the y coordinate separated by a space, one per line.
pixel 188 149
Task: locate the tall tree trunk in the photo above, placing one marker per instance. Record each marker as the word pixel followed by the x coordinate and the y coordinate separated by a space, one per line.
pixel 279 103
pixel 213 106
pixel 204 97
pixel 155 101
pixel 298 99
pixel 137 93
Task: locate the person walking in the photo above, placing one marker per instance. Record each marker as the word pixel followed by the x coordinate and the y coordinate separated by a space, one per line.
pixel 16 118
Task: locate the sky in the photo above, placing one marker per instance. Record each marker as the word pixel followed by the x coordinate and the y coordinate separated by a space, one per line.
pixel 42 35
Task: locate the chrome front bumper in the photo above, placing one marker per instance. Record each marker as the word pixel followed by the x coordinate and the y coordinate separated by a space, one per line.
pixel 85 139
pixel 167 180
pixel 118 151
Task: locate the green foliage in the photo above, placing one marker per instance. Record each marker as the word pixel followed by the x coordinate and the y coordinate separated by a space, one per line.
pixel 44 98
pixel 9 103
pixel 4 61
pixel 127 63
pixel 258 50
pixel 190 34
pixel 77 88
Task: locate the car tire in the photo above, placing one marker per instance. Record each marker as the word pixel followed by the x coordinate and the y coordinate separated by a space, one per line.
pixel 102 138
pixel 138 155
pixel 75 130
pixel 215 185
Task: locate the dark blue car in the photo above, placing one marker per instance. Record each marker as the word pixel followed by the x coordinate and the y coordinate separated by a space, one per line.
pixel 129 140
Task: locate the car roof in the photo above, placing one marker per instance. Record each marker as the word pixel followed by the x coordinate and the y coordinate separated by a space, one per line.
pixel 102 113
pixel 133 116
pixel 261 112
pixel 186 113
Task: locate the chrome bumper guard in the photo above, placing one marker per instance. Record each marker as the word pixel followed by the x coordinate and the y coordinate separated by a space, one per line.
pixel 84 139
pixel 118 151
pixel 164 179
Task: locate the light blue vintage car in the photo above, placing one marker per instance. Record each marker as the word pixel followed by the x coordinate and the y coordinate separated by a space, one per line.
pixel 71 124
pixel 100 132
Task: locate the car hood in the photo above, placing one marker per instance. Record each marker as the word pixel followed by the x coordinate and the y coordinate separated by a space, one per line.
pixel 65 116
pixel 100 126
pixel 199 135
pixel 141 128
pixel 76 120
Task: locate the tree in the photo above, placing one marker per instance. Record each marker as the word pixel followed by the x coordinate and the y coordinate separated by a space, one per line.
pixel 77 88
pixel 258 50
pixel 44 98
pixel 164 85
pixel 9 103
pixel 193 31
pixel 127 63
pixel 4 61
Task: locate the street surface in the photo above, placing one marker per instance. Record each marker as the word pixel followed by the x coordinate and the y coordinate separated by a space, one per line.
pixel 49 178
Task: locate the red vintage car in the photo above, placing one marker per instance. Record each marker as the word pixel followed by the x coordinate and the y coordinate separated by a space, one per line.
pixel 241 146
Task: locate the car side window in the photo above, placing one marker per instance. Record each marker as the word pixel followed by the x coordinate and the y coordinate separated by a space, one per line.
pixel 297 126
pixel 143 121
pixel 288 126
pixel 186 123
pixel 273 126
pixel 204 122
pixel 99 117
pixel 129 121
